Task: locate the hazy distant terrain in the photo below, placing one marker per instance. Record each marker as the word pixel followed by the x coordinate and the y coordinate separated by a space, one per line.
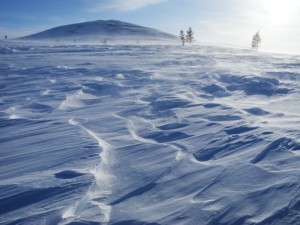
pixel 111 134
pixel 101 31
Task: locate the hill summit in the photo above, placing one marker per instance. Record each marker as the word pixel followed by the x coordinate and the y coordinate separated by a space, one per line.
pixel 101 30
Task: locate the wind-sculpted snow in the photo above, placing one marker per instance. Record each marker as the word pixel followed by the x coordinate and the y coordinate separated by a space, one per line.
pixel 160 135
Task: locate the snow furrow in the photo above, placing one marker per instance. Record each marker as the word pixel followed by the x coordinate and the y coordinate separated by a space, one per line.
pixel 181 152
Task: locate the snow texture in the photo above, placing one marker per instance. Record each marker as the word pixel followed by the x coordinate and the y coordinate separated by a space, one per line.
pixel 148 134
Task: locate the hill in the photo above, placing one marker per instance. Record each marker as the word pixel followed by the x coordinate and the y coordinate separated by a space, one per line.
pixel 101 30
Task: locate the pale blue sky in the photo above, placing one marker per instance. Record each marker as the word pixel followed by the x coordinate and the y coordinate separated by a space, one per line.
pixel 214 21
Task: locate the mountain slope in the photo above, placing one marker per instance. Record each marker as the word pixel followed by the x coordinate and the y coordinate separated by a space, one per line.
pixel 100 29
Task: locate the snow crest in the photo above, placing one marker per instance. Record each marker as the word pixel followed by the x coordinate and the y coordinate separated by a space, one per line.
pixel 101 187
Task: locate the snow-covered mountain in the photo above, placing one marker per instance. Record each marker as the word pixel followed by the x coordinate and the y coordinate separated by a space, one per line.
pixel 148 135
pixel 101 30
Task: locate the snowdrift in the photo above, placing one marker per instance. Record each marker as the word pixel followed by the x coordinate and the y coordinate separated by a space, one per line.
pixel 148 135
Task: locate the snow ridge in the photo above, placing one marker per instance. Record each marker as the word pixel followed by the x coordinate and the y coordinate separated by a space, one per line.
pixel 100 189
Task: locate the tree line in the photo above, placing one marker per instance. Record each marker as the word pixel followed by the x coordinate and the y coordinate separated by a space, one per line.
pixel 188 37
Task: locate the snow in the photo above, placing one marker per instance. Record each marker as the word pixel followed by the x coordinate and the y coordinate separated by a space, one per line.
pixel 148 134
pixel 102 32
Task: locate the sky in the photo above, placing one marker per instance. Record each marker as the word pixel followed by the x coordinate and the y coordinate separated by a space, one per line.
pixel 230 22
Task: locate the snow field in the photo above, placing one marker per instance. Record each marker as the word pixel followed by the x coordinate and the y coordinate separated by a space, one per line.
pixel 148 135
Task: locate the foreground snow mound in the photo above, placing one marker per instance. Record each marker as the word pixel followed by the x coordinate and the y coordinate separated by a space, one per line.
pixel 105 31
pixel 148 135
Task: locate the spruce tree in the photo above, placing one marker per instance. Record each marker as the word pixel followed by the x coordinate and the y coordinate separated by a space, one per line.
pixel 190 36
pixel 182 37
pixel 256 40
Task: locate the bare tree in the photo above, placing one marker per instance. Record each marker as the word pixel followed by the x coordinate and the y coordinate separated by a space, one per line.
pixel 256 40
